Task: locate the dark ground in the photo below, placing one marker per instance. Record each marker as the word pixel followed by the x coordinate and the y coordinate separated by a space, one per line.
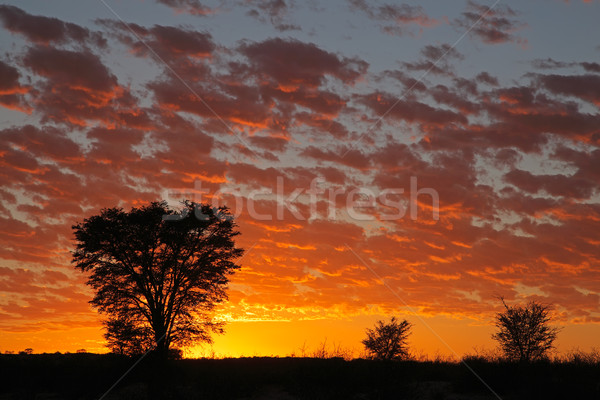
pixel 89 376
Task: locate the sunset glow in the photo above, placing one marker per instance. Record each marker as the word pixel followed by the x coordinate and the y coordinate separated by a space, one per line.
pixel 417 160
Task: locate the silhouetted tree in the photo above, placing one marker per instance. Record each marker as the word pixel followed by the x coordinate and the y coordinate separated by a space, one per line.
pixel 128 337
pixel 388 340
pixel 157 273
pixel 524 333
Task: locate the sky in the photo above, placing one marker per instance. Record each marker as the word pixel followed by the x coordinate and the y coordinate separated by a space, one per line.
pixel 415 159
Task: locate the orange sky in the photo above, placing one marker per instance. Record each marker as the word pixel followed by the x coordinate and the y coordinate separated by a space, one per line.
pixel 417 160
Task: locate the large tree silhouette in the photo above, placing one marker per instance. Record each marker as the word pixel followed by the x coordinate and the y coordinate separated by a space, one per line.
pixel 524 333
pixel 157 273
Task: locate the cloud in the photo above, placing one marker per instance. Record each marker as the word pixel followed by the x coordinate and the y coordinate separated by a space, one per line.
pixel 407 81
pixel 319 123
pixel 353 158
pixel 409 110
pixel 193 7
pixel 435 59
pixel 550 63
pixel 555 185
pixel 45 30
pixel 491 25
pixel 248 109
pixel 11 90
pixel 76 87
pixel 271 143
pixel 291 63
pixel 276 12
pixel 167 42
pixel 587 162
pixel 515 165
pixel 396 19
pixel 320 101
pixel 585 87
pixel 591 66
pixel 485 77
pixel 70 68
pixel 47 143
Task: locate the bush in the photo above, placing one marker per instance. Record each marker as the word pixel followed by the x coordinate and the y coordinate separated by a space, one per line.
pixel 388 340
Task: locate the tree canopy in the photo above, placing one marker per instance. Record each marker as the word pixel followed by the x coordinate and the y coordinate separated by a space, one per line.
pixel 524 333
pixel 157 272
pixel 388 340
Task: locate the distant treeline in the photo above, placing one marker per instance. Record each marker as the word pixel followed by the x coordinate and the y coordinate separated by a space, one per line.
pixel 89 376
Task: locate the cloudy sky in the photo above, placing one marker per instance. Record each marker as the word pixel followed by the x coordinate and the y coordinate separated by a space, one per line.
pixel 417 159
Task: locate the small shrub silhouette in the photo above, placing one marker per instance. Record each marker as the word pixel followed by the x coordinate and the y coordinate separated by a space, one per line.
pixel 387 341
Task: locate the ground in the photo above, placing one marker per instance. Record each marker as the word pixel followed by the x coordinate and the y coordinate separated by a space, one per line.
pixel 90 376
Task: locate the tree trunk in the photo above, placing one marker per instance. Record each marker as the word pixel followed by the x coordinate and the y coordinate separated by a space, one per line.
pixel 162 345
pixel 160 335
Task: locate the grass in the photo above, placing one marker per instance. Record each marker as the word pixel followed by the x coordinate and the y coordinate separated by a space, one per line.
pixel 87 376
